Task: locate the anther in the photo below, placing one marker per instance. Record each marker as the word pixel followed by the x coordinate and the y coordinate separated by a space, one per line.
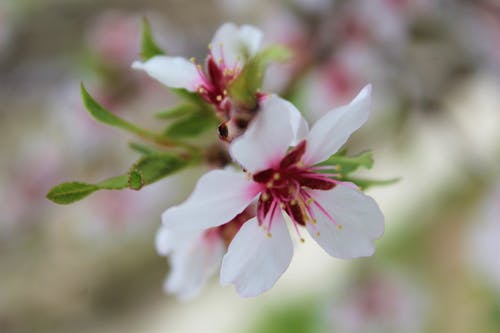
pixel 340 227
pixel 277 176
pixel 268 235
pixel 193 60
pixel 210 46
pixel 219 98
pixel 302 240
pixel 293 202
pixel 270 185
pixel 318 234
pixel 309 201
pixel 265 197
pixel 224 92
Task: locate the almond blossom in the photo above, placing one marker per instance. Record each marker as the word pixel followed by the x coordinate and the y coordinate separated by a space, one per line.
pixel 228 51
pixel 289 188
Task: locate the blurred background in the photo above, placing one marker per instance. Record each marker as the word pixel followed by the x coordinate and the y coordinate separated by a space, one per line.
pixel 92 266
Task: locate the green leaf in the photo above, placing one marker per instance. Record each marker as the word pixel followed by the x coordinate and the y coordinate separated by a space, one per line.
pixel 178 111
pixel 135 179
pixel 366 183
pixel 115 183
pixel 67 193
pixel 157 166
pixel 191 125
pixel 244 87
pixel 147 170
pixel 192 97
pixel 149 48
pixel 105 116
pixel 348 164
pixel 142 149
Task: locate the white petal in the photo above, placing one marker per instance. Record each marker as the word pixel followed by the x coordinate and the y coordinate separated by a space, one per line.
pixel 268 137
pixel 297 121
pixel 167 240
pixel 251 37
pixel 254 262
pixel 218 196
pixel 358 221
pixel 174 72
pixel 192 264
pixel 234 44
pixel 332 130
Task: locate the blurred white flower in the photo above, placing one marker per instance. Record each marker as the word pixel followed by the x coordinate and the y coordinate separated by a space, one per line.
pixel 381 302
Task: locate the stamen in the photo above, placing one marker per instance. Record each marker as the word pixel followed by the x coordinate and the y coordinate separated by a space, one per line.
pixel 277 176
pixel 219 98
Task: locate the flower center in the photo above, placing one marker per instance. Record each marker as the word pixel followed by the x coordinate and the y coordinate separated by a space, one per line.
pixel 286 187
pixel 215 79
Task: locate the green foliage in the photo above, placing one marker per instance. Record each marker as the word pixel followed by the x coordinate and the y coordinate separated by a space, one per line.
pixel 141 149
pixel 345 165
pixel 147 170
pixel 348 164
pixel 366 183
pixel 191 125
pixel 154 167
pixel 243 88
pixel 149 48
pixel 106 117
pixel 66 193
pixel 178 111
pixel 135 179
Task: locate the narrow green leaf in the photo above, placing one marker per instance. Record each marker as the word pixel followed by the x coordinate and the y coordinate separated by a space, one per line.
pixel 115 183
pixel 67 193
pixel 135 179
pixel 178 111
pixel 348 164
pixel 105 116
pixel 155 167
pixel 149 48
pixel 147 170
pixel 366 183
pixel 191 125
pixel 142 149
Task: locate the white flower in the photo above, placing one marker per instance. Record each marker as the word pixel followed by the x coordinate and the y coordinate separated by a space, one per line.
pixel 229 49
pixel 194 257
pixel 287 186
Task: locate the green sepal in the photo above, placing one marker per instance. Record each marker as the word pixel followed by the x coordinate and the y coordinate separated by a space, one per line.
pixel 348 164
pixel 149 48
pixel 244 87
pixel 191 125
